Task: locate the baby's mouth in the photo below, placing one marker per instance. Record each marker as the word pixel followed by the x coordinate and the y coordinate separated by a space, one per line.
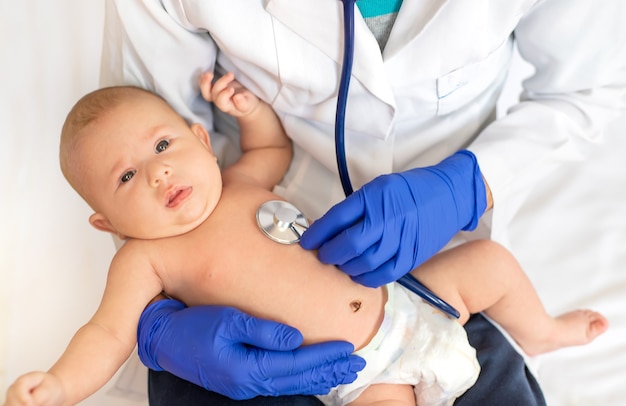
pixel 178 195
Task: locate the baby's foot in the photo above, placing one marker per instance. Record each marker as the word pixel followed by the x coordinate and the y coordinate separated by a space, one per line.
pixel 574 328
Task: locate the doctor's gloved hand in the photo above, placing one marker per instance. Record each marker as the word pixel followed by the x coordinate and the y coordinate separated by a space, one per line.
pixel 237 355
pixel 398 221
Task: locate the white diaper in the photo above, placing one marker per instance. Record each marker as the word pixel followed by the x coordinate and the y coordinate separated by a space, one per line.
pixel 415 345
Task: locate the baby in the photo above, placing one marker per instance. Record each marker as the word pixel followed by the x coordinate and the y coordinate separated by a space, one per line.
pixel 153 180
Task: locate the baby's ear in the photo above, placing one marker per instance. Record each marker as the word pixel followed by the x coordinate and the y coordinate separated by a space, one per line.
pixel 202 134
pixel 100 222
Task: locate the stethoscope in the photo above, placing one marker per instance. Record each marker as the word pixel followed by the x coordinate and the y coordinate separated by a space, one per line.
pixel 284 223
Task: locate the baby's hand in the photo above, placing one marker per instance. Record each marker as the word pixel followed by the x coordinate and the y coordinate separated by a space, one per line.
pixel 34 389
pixel 228 94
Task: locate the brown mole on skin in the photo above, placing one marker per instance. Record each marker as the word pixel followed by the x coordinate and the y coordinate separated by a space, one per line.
pixel 356 305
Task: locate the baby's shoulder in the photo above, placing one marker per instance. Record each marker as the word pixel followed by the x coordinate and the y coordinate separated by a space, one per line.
pixel 134 254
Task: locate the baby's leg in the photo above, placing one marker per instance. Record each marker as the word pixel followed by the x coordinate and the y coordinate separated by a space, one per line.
pixel 481 276
pixel 386 394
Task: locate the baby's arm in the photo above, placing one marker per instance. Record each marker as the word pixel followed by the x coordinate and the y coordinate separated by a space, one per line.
pixel 99 348
pixel 266 148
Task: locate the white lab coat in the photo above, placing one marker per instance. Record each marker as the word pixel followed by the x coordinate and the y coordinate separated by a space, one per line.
pixel 431 92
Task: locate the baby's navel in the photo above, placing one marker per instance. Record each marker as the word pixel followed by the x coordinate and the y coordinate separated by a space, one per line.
pixel 355 305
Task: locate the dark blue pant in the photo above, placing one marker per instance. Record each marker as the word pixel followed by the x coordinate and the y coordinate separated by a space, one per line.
pixel 504 379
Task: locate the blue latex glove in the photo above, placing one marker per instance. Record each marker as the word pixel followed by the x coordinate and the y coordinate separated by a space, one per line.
pixel 237 355
pixel 398 221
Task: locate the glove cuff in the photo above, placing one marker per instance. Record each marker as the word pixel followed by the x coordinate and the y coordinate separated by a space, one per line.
pixel 151 320
pixel 477 186
pixel 458 184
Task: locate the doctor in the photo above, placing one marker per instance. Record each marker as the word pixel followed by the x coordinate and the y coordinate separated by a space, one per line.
pixel 425 82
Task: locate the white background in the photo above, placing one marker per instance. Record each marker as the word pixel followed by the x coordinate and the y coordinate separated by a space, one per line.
pixel 53 264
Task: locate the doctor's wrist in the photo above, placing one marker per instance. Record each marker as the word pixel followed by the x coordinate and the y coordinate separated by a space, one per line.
pixel 489 196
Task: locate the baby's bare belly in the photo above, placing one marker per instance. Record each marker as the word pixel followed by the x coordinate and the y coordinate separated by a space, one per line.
pixel 234 264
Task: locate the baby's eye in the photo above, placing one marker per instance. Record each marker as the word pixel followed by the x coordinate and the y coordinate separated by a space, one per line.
pixel 161 146
pixel 127 176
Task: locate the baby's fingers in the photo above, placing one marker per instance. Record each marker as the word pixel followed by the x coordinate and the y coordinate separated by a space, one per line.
pixel 244 102
pixel 36 389
pixel 205 85
pixel 224 101
pixel 223 83
pixel 20 393
pixel 227 94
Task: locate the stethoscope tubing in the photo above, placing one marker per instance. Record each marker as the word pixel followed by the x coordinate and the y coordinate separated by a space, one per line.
pixel 342 96
pixel 408 281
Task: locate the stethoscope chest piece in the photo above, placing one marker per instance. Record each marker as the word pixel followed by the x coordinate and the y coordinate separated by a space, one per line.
pixel 281 221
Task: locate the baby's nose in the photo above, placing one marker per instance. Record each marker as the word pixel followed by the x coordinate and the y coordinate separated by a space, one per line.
pixel 158 173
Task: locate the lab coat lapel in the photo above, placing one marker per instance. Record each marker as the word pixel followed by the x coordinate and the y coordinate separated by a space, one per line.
pixel 320 22
pixel 411 20
pixel 316 21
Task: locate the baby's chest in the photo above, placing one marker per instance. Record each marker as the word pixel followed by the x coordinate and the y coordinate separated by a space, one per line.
pixel 223 254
